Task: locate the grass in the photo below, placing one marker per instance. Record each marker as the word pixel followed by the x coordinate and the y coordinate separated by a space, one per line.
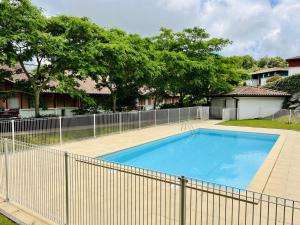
pixel 5 221
pixel 53 138
pixel 276 124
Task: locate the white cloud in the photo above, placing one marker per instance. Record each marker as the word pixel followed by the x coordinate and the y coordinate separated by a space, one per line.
pixel 256 27
pixel 179 5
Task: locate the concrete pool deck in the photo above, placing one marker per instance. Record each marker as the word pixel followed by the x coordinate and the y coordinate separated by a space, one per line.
pixel 279 175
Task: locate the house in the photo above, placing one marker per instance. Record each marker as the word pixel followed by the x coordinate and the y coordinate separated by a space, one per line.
pixel 247 103
pixel 54 103
pixel 294 65
pixel 146 100
pixel 259 78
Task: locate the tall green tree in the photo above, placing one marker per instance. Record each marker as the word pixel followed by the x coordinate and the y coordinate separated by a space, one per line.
pixel 47 50
pixel 193 65
pixel 269 62
pixel 119 64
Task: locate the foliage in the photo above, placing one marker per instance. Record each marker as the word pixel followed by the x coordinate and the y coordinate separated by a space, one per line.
pixel 42 48
pixel 270 62
pixel 274 78
pixel 290 84
pixel 119 64
pixel 56 52
pixel 190 64
pixel 250 64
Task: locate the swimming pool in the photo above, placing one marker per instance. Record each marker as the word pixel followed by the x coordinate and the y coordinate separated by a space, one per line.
pixel 224 157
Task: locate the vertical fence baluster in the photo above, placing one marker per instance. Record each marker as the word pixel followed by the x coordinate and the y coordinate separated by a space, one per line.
pixel 60 130
pixel 13 134
pixel 67 188
pixel 6 168
pixel 120 122
pixel 182 212
pixel 140 120
pixel 94 125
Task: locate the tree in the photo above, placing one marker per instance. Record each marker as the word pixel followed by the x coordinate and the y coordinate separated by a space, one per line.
pixel 192 64
pixel 267 62
pixel 47 50
pixel 119 64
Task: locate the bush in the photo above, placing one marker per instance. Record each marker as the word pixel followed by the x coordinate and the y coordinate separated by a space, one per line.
pixel 289 84
pixel 273 79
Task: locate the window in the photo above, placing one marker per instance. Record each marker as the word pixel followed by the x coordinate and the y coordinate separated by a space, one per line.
pixel 13 103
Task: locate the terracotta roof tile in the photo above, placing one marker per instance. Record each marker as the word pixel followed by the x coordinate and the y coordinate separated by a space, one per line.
pixel 88 85
pixel 255 91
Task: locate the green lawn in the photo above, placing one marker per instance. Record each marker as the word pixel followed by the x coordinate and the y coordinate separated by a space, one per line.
pixel 5 221
pixel 263 123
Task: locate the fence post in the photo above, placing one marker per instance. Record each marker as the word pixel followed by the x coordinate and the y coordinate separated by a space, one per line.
pixel 155 117
pixel 290 117
pixel 120 122
pixel 67 188
pixel 182 212
pixel 139 119
pixel 168 116
pixel 13 134
pixel 189 113
pixel 60 131
pixel 94 125
pixel 6 169
pixel 179 114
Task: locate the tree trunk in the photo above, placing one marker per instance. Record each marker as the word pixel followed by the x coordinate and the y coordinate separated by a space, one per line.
pixel 37 103
pixel 180 102
pixel 114 96
pixel 154 103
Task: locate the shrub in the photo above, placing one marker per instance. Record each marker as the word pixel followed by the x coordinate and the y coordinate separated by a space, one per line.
pixel 289 84
pixel 274 78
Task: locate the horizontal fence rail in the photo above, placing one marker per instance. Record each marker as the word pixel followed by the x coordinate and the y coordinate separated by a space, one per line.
pixel 74 190
pixel 55 130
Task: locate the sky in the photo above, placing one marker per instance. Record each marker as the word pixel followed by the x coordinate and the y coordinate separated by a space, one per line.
pixel 256 27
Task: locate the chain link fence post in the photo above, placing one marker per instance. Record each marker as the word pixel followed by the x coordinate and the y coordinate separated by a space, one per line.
pixel 182 212
pixel 168 116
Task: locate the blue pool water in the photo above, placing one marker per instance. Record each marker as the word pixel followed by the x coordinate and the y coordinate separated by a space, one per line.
pixel 224 157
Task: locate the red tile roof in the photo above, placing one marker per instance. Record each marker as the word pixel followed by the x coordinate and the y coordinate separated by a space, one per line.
pixel 88 85
pixel 247 91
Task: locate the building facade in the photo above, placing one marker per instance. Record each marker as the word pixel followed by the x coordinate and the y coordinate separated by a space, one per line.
pixel 294 65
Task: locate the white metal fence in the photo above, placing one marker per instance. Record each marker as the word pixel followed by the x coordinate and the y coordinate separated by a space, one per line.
pixel 56 130
pixel 71 189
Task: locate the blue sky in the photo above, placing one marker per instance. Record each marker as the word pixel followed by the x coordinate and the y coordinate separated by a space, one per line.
pixel 256 27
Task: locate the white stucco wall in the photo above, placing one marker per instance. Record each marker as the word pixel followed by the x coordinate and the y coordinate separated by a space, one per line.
pixel 258 107
pixel 294 70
